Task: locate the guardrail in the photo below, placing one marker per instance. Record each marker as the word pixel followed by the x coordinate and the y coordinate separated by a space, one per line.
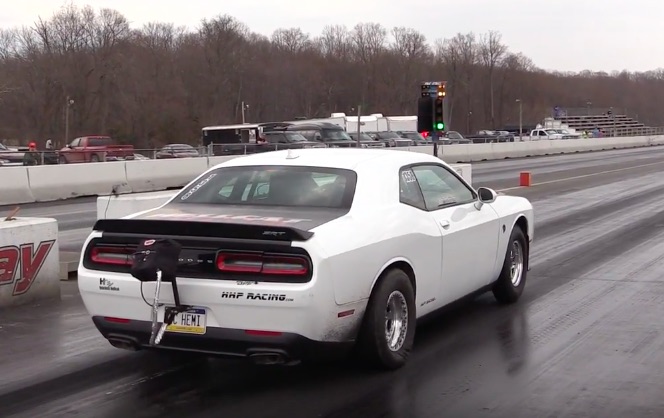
pixel 31 158
pixel 46 157
pixel 57 182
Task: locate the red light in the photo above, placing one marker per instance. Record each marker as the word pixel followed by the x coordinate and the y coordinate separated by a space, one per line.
pixel 120 256
pixel 424 134
pixel 262 264
pixel 259 333
pixel 116 320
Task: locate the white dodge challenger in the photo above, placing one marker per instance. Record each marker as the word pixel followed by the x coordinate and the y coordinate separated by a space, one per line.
pixel 293 255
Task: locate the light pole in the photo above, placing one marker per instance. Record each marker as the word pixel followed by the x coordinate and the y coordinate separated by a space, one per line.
pixel 244 108
pixel 520 119
pixel 68 104
pixel 470 115
pixel 359 116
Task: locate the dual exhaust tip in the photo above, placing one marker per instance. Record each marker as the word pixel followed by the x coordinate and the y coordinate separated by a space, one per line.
pixel 124 343
pixel 270 359
pixel 260 358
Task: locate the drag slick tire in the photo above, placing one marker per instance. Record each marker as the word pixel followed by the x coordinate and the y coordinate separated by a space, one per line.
pixel 512 280
pixel 388 328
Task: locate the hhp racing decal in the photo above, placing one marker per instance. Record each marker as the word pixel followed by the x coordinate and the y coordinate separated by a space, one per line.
pixel 277 297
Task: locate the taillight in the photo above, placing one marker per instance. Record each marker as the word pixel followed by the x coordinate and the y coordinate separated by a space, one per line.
pixel 117 320
pixel 239 263
pixel 262 264
pixel 259 333
pixel 285 265
pixel 118 256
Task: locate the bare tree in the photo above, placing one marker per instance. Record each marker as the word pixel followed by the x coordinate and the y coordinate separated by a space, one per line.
pixel 491 52
pixel 369 41
pixel 410 50
pixel 291 40
pixel 160 83
pixel 335 42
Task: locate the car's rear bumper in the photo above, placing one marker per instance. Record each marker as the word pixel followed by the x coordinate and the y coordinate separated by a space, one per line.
pixel 223 342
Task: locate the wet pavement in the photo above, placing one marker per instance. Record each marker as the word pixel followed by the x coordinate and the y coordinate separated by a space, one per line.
pixel 584 341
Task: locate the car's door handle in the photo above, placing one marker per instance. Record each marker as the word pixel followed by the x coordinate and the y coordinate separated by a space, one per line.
pixel 444 224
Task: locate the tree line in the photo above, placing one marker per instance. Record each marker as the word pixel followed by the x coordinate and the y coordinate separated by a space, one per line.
pixel 162 83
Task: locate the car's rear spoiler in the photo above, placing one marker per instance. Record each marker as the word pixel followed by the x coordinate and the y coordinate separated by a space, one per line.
pixel 201 229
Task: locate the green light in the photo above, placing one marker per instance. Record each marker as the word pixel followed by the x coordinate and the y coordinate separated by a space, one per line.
pixel 440 126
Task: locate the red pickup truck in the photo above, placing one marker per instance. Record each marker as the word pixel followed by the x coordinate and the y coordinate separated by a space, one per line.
pixel 93 149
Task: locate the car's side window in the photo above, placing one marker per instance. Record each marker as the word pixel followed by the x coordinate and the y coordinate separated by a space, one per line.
pixel 441 188
pixel 409 191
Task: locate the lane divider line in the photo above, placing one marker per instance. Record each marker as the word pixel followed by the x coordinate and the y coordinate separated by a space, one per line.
pixel 617 170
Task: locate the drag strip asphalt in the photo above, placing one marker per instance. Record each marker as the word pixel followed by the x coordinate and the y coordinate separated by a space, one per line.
pixel 584 340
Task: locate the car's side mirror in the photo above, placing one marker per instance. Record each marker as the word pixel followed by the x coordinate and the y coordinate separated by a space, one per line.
pixel 485 195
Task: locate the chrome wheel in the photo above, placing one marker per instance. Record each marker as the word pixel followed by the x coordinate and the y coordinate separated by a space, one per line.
pixel 516 259
pixel 396 320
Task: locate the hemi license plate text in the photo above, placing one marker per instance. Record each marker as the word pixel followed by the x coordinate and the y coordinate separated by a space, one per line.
pixel 192 321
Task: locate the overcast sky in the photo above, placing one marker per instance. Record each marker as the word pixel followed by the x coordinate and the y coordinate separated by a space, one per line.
pixel 567 35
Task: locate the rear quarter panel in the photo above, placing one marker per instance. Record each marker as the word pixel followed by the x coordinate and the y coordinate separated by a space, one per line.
pixel 357 248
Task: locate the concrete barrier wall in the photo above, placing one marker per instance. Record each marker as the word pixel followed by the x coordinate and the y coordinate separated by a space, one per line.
pixel 465 170
pixel 14 186
pixel 29 261
pixel 114 207
pixel 45 183
pixel 147 176
pixel 55 182
pixel 466 153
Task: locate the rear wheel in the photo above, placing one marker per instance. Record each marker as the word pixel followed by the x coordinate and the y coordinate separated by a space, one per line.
pixel 509 286
pixel 94 158
pixel 388 328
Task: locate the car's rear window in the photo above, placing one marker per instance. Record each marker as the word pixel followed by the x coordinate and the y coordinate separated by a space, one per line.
pixel 293 186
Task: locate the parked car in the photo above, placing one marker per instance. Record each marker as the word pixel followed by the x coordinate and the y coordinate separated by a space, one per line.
pixel 177 151
pixel 454 137
pixel 276 140
pixel 364 137
pixel 23 156
pixel 414 136
pixel 9 157
pixel 391 139
pixel 93 149
pixel 505 136
pixel 333 136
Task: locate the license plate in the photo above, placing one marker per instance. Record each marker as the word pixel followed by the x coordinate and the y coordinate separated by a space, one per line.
pixel 192 321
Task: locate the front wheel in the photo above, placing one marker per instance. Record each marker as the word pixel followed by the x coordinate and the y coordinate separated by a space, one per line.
pixel 509 286
pixel 388 329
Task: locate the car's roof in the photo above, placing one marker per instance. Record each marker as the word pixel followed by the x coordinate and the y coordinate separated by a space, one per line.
pixel 345 158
